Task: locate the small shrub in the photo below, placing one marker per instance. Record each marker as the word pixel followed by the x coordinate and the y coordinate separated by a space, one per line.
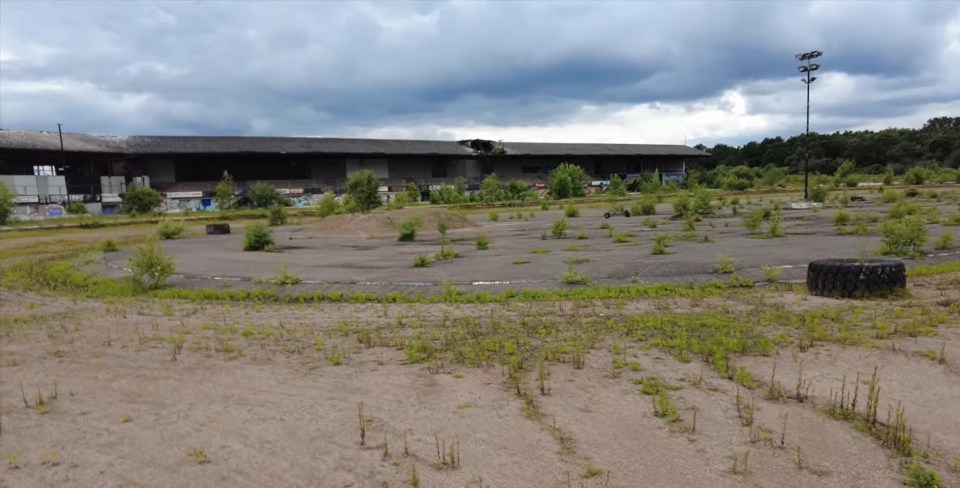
pixel 286 277
pixel 753 220
pixel 421 260
pixel 540 250
pixel 771 274
pixel 328 205
pixel 494 216
pixel 773 228
pixel 573 277
pixel 944 242
pixel 108 245
pixel 841 218
pixel 408 229
pixel 140 200
pixel 364 189
pixel 903 237
pixel 77 208
pixel 660 243
pixel 570 211
pixel 646 206
pixel 482 242
pixel 890 196
pixel 581 235
pixel 918 476
pixel 650 223
pixel 520 261
pixel 818 193
pixel 276 216
pixel 170 229
pixel 621 238
pixel 911 193
pixel 442 228
pixel 544 205
pixel 446 252
pixel 559 228
pixel 258 237
pixel 725 265
pixel 151 266
pixel 567 181
pixel 265 195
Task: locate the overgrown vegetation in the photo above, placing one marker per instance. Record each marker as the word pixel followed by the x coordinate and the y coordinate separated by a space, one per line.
pixel 170 229
pixel 140 200
pixel 407 231
pixel 903 237
pixel 363 187
pixel 567 181
pixel 6 204
pixel 151 266
pixel 258 237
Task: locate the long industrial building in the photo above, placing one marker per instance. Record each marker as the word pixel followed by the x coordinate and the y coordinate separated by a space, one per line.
pixel 45 168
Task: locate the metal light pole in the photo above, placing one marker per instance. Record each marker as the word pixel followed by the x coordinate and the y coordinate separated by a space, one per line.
pixel 808 69
pixel 63 155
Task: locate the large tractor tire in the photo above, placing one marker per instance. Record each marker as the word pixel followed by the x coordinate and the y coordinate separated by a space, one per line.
pixel 855 278
pixel 214 229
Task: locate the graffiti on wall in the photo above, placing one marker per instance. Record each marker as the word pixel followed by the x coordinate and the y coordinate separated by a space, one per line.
pixel 180 205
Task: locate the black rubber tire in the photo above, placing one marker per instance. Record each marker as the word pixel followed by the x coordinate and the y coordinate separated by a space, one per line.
pixel 854 278
pixel 626 213
pixel 215 229
pixel 606 215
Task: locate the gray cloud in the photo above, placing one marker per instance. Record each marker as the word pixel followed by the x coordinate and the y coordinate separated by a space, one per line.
pixel 339 68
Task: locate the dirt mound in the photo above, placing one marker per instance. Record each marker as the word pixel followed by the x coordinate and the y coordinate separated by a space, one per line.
pixel 381 224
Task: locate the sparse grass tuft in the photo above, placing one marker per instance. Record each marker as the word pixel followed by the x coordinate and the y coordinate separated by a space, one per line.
pixel 421 260
pixel 917 475
pixel 108 245
pixel 446 252
pixel 574 277
pixel 660 243
pixel 198 455
pixel 570 211
pixel 725 265
pixel 482 242
pixel 170 229
pixel 944 242
pixel 770 274
pixel 559 228
pixel 540 250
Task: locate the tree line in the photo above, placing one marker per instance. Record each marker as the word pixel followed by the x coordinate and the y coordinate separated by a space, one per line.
pixel 897 151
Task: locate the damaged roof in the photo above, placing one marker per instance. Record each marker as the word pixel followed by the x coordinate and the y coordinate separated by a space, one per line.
pixel 145 145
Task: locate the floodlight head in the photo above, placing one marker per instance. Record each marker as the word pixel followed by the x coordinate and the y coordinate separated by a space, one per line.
pixel 809 55
pixel 814 67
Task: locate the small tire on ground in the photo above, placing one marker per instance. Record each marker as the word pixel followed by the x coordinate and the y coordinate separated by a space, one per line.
pixel 626 213
pixel 855 278
pixel 606 215
pixel 214 229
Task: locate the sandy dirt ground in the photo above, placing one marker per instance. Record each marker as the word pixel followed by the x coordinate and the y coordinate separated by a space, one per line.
pixel 267 405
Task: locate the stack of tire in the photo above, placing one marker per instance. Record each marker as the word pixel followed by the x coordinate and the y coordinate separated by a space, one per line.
pixel 856 278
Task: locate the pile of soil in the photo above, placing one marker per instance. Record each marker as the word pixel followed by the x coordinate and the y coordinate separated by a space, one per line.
pixel 381 224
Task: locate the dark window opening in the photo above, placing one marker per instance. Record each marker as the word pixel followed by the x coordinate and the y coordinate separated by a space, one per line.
pixel 438 169
pixel 530 169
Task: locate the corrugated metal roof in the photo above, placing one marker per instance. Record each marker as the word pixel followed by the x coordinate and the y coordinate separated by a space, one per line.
pixel 49 141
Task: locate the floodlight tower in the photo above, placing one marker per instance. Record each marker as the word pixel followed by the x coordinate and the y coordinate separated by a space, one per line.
pixel 807 69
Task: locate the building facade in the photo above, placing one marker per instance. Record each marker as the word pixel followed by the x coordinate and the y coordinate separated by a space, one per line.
pixel 95 169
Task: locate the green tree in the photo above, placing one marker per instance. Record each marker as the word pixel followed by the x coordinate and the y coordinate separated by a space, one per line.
pixel 140 200
pixel 6 204
pixel 225 194
pixel 518 190
pixel 364 188
pixel 413 193
pixel 617 188
pixel 567 181
pixel 328 205
pixel 491 190
pixel 265 195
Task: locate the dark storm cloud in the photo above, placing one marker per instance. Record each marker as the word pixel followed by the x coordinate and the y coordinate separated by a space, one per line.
pixel 322 67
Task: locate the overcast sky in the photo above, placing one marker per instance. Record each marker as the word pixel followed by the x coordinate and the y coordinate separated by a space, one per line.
pixel 635 72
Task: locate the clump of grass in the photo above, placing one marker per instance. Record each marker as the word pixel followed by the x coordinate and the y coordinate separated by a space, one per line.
pixel 841 218
pixel 286 277
pixel 276 215
pixel 660 243
pixel 482 242
pixel 582 235
pixel 421 260
pixel 574 277
pixel 649 223
pixel 126 418
pixel 944 242
pixel 559 228
pixel 494 216
pixel 442 228
pixel 408 229
pixel 540 250
pixel 446 252
pixel 198 455
pixel 743 377
pixel 605 225
pixel 362 423
pixel 917 475
pixel 108 245
pixel 646 206
pixel 621 238
pixel 170 229
pixel 520 261
pixel 570 211
pixel 591 470
pixel 770 274
pixel 725 265
pixel 572 249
